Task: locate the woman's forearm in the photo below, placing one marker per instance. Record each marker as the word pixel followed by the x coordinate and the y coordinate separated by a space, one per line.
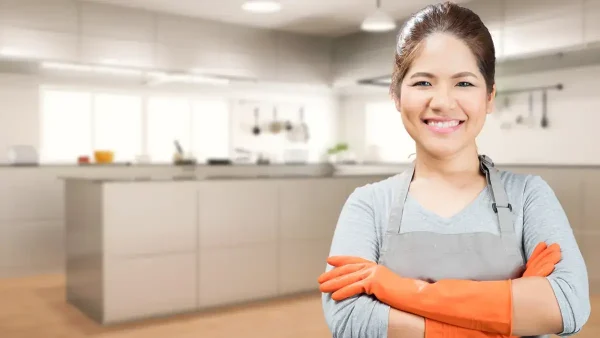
pixel 535 309
pixel 535 312
pixel 405 325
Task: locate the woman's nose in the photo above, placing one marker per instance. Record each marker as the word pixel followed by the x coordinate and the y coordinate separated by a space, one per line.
pixel 442 100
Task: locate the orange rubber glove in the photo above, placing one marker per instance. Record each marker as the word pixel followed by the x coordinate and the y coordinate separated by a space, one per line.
pixel 481 306
pixel 540 264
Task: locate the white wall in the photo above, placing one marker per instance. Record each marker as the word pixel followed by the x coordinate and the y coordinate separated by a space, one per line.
pixel 571 137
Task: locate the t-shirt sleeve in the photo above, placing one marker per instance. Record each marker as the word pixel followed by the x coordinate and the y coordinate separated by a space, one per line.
pixel 545 220
pixel 355 235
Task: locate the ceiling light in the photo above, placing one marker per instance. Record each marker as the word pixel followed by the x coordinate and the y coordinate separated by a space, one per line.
pixel 91 68
pixel 379 21
pixel 161 77
pixel 66 66
pixel 261 6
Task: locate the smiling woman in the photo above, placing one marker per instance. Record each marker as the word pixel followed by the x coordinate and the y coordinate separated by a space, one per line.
pixel 452 247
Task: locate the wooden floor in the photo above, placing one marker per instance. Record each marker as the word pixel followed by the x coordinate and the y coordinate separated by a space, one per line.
pixel 35 308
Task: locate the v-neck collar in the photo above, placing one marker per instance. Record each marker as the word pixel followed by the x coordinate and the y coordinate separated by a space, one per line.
pixel 457 216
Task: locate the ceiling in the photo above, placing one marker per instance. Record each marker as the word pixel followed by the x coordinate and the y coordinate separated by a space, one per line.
pixel 318 17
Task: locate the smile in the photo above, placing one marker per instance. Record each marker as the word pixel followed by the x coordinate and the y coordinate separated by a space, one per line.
pixel 443 126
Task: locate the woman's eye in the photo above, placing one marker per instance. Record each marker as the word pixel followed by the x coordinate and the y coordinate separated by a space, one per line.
pixel 422 83
pixel 465 84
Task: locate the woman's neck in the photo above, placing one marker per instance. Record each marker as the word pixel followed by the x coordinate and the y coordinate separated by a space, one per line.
pixel 463 164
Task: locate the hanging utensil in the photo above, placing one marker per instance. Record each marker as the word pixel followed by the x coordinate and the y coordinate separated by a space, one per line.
pixel 530 118
pixel 303 127
pixel 300 131
pixel 544 121
pixel 275 126
pixel 256 128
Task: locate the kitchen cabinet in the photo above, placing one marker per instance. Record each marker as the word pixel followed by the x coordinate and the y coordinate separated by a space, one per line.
pixel 155 285
pixel 59 16
pixel 591 200
pixel 517 12
pixel 185 58
pixel 237 212
pixel 186 32
pixel 544 35
pixel 118 23
pixel 237 274
pixel 591 21
pixel 238 226
pixel 309 209
pixel 122 52
pixel 139 249
pixel 39 44
pixel 149 219
pixel 590 230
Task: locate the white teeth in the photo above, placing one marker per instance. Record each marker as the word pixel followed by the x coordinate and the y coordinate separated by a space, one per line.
pixel 443 124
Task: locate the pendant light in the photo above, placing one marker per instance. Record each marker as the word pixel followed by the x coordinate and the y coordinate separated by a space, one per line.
pixel 378 21
pixel 262 6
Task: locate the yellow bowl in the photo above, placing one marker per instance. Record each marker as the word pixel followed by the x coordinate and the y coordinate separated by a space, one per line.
pixel 104 156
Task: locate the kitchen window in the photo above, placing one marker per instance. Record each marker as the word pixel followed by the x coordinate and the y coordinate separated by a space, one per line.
pixel 169 119
pixel 210 129
pixel 75 123
pixel 65 126
pixel 385 133
pixel 117 125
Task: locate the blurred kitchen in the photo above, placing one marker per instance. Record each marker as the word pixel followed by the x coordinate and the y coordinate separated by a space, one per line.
pixel 176 168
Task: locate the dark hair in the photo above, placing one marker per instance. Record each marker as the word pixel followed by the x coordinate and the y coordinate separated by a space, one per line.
pixel 449 18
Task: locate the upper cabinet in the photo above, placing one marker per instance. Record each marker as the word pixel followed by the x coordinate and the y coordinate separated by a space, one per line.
pixel 60 16
pixel 519 29
pixel 540 26
pixel 591 21
pixel 103 21
pixel 71 30
pixel 39 29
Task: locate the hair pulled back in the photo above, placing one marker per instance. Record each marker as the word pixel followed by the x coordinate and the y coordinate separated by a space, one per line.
pixel 446 17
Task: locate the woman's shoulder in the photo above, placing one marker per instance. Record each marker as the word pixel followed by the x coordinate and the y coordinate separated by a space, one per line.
pixel 378 195
pixel 525 186
pixel 383 186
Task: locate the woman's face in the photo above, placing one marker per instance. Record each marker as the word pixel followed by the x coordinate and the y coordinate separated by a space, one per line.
pixel 443 97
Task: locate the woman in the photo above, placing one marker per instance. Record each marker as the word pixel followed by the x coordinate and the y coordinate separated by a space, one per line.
pixel 439 250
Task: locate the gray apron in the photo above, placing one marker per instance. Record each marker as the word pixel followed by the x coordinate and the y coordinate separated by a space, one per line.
pixel 474 256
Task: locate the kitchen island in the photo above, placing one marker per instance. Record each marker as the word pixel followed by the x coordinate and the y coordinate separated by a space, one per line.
pixel 141 248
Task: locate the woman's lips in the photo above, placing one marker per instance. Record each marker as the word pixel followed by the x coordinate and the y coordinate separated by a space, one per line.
pixel 445 126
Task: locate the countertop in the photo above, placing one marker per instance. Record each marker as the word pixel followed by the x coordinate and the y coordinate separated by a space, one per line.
pixel 214 178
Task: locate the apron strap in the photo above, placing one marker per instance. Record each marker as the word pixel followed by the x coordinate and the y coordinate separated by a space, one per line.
pixel 500 203
pixel 402 184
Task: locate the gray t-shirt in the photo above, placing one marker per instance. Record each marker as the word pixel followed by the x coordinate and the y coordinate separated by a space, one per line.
pixel 540 217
